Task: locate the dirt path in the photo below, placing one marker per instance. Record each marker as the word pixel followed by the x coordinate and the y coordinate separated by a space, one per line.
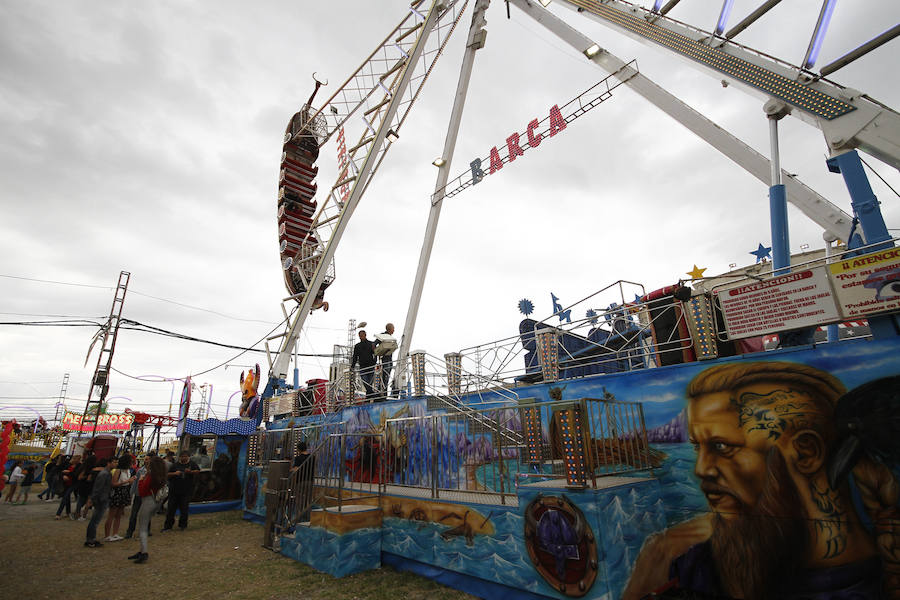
pixel 218 556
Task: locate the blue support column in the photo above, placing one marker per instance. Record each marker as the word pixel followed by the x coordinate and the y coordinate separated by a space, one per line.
pixel 781 251
pixel 865 205
pixel 866 208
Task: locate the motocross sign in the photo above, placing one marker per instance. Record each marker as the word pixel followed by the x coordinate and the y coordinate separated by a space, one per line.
pixel 73 422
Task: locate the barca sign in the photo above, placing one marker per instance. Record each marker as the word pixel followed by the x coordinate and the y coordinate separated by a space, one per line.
pixel 73 422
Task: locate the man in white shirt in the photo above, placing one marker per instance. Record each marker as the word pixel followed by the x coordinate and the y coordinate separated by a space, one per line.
pixel 15 477
pixel 386 342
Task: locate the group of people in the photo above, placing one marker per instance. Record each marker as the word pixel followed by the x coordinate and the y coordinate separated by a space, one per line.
pixel 368 354
pixel 107 486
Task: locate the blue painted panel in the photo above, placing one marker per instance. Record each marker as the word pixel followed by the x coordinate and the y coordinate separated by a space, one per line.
pixel 337 554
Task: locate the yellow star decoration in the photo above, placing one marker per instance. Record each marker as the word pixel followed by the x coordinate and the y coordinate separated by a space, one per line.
pixel 697 273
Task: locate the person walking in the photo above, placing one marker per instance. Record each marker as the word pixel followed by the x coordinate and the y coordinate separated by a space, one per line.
pixel 181 488
pixel 51 476
pixel 149 490
pixel 69 473
pixel 25 486
pixel 84 483
pixel 99 500
pixel 15 477
pixel 120 497
pixel 136 503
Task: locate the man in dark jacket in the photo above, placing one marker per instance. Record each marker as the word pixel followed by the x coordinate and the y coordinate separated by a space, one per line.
pixel 181 488
pixel 364 354
pixel 99 500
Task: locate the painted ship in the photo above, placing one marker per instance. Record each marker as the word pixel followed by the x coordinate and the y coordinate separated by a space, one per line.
pixel 653 448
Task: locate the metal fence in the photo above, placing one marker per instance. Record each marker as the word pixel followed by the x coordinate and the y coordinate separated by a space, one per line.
pixel 342 469
pixel 475 456
pixel 450 453
pixel 615 439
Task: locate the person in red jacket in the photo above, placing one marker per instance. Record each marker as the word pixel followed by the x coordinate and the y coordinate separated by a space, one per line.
pixel 150 488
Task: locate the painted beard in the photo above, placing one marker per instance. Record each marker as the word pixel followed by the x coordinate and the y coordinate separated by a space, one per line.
pixel 756 551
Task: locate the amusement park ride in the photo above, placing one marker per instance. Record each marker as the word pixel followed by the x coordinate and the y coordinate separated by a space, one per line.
pixel 641 450
pixel 651 449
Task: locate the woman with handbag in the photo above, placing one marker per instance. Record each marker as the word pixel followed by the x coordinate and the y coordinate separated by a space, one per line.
pixel 153 489
pixel 120 497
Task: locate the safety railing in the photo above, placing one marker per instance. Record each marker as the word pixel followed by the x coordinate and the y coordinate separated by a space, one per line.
pixel 455 457
pixel 445 455
pixel 614 438
pixel 342 469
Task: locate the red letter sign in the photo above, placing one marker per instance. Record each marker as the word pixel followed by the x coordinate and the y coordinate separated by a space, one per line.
pixel 496 163
pixel 533 140
pixel 512 144
pixel 557 123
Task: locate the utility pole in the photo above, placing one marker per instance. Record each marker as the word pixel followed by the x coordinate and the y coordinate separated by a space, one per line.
pixel 62 397
pixel 100 381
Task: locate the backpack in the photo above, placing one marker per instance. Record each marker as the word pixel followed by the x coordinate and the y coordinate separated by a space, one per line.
pixel 386 344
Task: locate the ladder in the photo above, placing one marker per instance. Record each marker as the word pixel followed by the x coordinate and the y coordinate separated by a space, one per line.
pixel 100 381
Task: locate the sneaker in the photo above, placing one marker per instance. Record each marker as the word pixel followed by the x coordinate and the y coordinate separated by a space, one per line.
pixel 165 529
pixel 116 538
pixel 108 538
pixel 71 516
pixel 141 559
pixel 94 544
pixel 135 556
pixel 127 536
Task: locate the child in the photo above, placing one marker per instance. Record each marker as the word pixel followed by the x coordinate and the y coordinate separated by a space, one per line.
pixel 25 486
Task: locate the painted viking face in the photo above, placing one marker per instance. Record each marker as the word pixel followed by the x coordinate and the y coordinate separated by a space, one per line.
pixel 732 432
pixel 731 468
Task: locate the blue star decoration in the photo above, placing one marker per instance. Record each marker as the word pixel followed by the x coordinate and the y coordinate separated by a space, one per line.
pixel 762 253
pixel 558 310
pixel 592 315
pixel 526 307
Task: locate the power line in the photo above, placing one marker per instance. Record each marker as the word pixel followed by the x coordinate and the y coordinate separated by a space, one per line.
pixel 146 295
pixel 54 316
pixel 84 285
pixel 199 308
pixel 164 332
pixel 63 323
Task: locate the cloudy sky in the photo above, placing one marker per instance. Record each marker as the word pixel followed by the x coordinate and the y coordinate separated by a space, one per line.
pixel 146 137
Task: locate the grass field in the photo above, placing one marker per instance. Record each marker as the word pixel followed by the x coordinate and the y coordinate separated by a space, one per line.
pixel 218 556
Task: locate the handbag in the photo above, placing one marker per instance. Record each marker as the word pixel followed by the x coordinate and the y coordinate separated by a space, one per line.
pixel 161 494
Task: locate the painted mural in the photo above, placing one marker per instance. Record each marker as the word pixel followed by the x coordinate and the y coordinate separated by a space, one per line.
pixel 561 544
pixel 773 475
pixel 780 476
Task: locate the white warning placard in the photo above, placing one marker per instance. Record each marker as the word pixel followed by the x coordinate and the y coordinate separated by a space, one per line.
pixel 801 299
pixel 867 284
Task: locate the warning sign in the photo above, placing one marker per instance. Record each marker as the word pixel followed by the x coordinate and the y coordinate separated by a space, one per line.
pixel 867 284
pixel 801 299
